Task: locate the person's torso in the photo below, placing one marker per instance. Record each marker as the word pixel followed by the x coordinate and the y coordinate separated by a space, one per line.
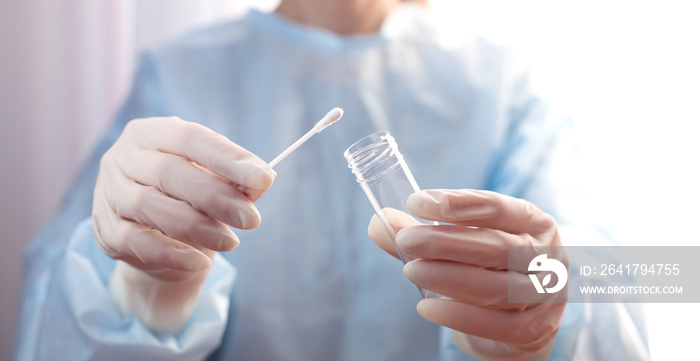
pixel 310 284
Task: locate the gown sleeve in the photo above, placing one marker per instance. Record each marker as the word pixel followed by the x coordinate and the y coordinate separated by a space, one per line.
pixel 67 312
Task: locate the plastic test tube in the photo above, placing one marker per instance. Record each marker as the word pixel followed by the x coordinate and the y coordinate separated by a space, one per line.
pixel 386 180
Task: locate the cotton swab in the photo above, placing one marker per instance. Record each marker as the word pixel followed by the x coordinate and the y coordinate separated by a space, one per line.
pixel 330 118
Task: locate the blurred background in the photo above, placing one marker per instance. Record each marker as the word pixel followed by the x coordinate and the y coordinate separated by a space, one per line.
pixel 627 71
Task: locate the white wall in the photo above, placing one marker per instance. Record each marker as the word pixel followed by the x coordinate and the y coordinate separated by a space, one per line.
pixel 44 134
pixel 629 73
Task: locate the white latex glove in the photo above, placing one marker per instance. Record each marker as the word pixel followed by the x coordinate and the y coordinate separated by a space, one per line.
pixel 165 192
pixel 467 261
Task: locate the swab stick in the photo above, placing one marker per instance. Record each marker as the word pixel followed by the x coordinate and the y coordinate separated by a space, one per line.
pixel 330 118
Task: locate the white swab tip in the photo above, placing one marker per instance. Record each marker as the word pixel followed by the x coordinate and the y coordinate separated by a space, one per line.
pixel 330 118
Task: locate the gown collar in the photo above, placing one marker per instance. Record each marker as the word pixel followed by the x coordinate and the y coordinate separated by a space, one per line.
pixel 408 19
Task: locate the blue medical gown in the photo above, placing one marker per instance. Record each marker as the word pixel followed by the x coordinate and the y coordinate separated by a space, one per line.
pixel 308 284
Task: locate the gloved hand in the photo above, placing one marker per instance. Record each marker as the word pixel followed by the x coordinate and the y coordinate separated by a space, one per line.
pixel 165 192
pixel 467 261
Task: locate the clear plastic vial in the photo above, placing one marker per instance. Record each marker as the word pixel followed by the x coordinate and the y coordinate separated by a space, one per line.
pixel 384 176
